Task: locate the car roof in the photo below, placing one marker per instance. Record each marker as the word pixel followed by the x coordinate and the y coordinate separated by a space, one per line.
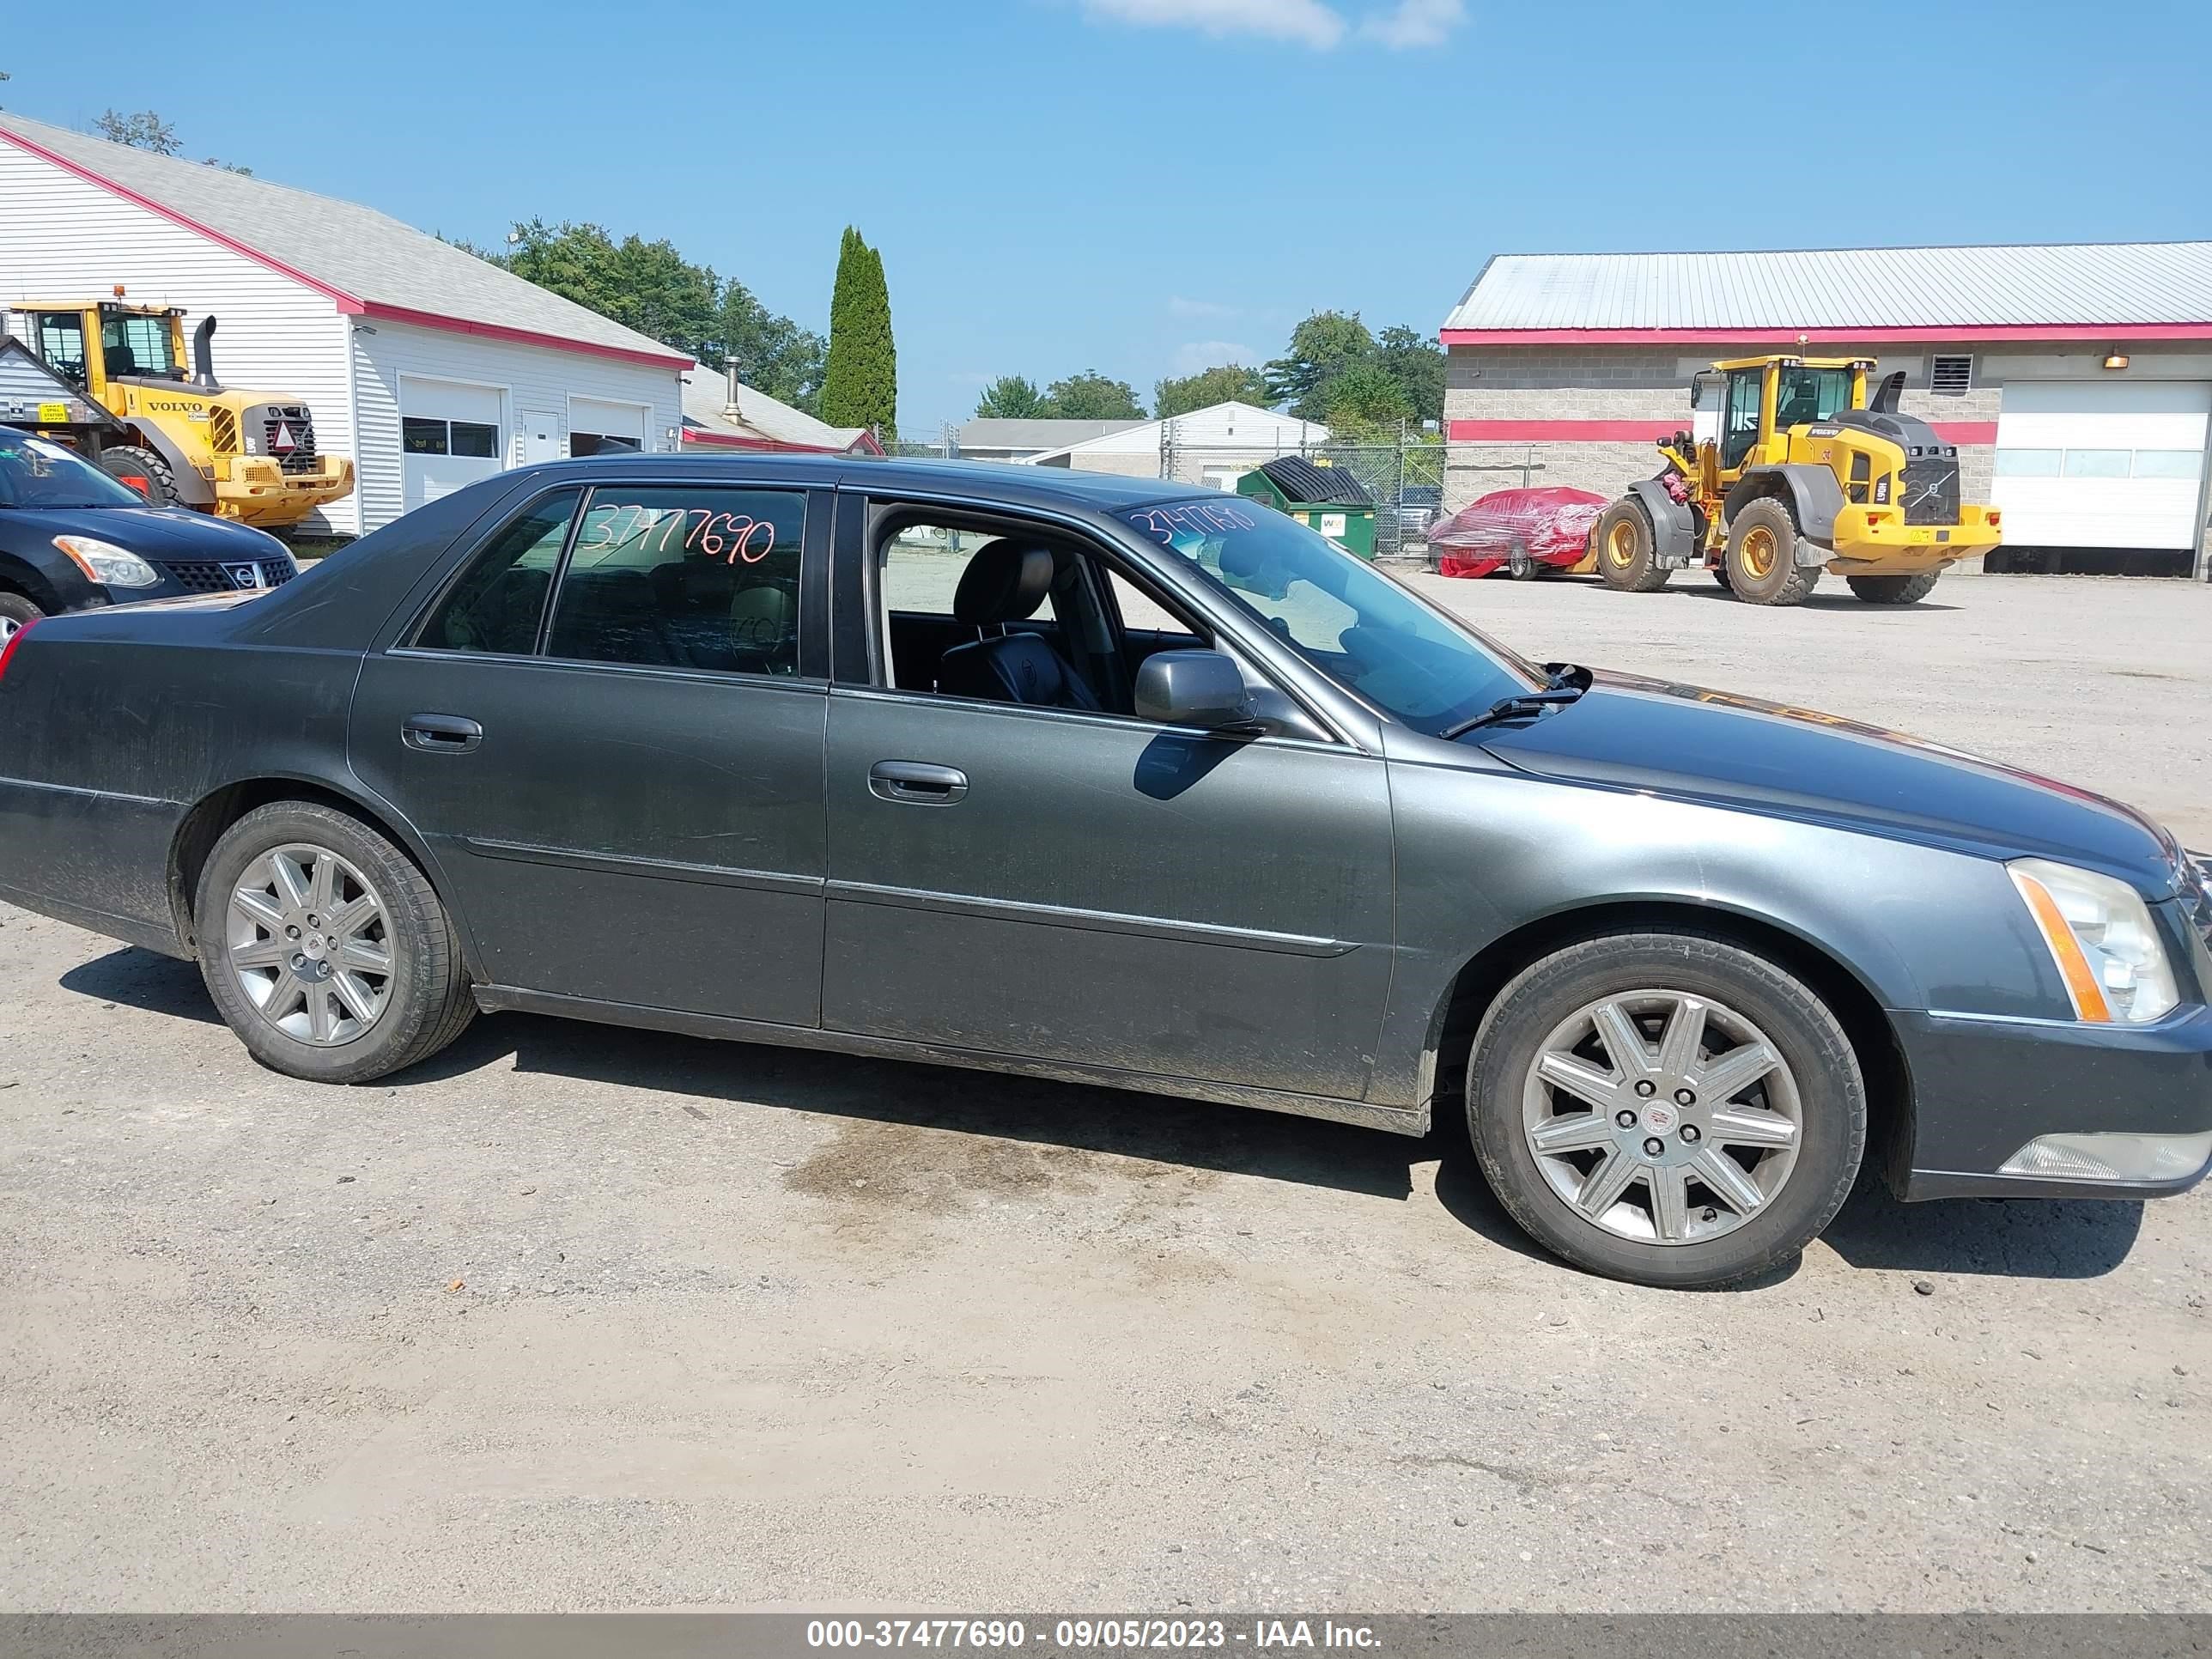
pixel 1063 486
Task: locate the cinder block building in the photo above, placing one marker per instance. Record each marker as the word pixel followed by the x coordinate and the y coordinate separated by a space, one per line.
pixel 2077 380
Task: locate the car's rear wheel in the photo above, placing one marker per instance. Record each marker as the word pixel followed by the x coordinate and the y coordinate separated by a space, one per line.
pixel 1895 590
pixel 1762 562
pixel 1520 564
pixel 325 949
pixel 16 613
pixel 1665 1108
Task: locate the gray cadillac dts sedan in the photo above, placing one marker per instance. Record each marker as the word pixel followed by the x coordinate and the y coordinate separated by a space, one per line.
pixel 1110 781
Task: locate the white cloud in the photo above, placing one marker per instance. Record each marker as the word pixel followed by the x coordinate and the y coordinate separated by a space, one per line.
pixel 1307 22
pixel 1199 356
pixel 1416 23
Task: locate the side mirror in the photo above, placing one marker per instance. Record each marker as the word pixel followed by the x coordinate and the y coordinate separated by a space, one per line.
pixel 1203 689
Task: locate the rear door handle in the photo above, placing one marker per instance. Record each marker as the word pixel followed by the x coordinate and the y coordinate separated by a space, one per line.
pixel 440 734
pixel 916 783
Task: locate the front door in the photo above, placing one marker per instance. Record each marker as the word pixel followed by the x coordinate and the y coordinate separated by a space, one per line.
pixel 602 728
pixel 1081 885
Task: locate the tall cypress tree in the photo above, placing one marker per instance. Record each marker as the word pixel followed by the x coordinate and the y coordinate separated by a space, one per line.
pixel 860 385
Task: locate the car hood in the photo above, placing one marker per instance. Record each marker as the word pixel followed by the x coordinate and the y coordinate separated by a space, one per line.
pixel 156 532
pixel 1630 732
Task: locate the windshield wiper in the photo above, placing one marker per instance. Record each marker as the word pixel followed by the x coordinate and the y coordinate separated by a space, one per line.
pixel 1564 683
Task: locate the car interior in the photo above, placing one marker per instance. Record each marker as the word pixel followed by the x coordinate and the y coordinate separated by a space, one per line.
pixel 1032 618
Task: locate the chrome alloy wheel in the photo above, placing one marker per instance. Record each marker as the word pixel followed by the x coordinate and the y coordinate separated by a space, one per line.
pixel 9 629
pixel 1662 1117
pixel 309 945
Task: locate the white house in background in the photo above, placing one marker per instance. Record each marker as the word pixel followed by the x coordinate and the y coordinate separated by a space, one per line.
pixel 1210 447
pixel 428 366
pixel 994 438
pixel 722 412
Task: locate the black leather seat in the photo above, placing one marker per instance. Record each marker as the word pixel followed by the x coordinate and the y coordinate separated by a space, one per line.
pixel 1004 584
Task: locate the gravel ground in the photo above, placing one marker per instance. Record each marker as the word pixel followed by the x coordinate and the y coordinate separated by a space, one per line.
pixel 580 1318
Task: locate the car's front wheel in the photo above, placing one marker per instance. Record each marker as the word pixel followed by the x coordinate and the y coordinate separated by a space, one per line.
pixel 325 949
pixel 1665 1108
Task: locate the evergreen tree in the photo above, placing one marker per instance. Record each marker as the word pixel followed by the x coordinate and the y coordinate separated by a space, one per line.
pixel 1010 398
pixel 860 385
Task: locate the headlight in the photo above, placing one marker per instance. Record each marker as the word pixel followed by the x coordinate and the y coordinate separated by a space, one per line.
pixel 2101 936
pixel 107 563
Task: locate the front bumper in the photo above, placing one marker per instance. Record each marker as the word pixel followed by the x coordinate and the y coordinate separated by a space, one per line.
pixel 1984 1086
pixel 259 491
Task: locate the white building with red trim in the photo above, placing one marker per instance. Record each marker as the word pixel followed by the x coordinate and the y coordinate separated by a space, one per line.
pixel 425 365
pixel 2077 380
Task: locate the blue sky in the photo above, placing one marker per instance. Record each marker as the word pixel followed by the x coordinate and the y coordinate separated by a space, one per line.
pixel 1148 186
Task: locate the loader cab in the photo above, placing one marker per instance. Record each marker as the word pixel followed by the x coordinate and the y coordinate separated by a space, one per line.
pixel 89 347
pixel 1764 398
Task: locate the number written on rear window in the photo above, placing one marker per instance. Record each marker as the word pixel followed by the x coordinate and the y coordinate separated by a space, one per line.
pixel 683 577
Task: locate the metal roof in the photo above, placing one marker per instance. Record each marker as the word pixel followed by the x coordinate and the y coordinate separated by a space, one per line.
pixel 2129 285
pixel 995 434
pixel 707 407
pixel 367 261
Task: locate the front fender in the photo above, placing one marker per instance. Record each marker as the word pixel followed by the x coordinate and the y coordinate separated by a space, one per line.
pixel 1483 855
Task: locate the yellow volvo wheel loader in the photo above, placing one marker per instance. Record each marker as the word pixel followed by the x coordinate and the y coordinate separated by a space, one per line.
pixel 175 436
pixel 1804 475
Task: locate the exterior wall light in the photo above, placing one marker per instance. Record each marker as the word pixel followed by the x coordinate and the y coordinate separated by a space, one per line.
pixel 2116 360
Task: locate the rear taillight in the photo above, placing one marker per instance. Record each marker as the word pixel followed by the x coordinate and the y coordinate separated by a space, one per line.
pixel 7 651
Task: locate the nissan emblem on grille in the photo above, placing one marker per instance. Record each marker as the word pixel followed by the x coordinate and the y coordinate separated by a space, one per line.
pixel 243 576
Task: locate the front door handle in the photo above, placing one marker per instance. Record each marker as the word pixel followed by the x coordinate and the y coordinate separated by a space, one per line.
pixel 440 734
pixel 916 783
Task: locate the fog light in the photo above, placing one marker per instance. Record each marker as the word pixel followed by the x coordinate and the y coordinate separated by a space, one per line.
pixel 2111 1158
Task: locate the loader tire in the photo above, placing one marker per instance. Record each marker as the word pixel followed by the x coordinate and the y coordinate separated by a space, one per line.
pixel 1762 555
pixel 1894 590
pixel 141 470
pixel 1627 552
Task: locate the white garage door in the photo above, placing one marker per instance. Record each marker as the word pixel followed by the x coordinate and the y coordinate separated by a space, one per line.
pixel 451 434
pixel 594 425
pixel 2103 463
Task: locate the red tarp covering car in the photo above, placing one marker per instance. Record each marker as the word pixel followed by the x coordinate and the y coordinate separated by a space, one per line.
pixel 1549 527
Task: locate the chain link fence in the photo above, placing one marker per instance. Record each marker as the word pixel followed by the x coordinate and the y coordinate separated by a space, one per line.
pixel 1413 483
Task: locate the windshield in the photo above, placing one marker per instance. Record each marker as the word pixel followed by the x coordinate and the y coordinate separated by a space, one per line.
pixel 1409 659
pixel 36 473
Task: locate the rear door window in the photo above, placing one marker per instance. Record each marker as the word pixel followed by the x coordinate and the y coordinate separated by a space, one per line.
pixel 682 577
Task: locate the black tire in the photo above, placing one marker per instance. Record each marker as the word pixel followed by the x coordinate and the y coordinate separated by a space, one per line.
pixel 1627 554
pixel 1721 578
pixel 1519 565
pixel 428 1003
pixel 1830 1092
pixel 1762 555
pixel 16 612
pixel 1894 590
pixel 127 463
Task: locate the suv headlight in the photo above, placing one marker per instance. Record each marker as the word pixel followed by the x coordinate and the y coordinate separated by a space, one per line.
pixel 107 563
pixel 2102 939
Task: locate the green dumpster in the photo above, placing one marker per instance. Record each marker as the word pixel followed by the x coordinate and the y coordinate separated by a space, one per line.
pixel 1328 498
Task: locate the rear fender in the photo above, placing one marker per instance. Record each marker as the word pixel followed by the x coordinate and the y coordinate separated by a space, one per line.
pixel 193 487
pixel 1814 499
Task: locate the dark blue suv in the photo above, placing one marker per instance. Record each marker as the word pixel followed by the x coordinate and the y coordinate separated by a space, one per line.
pixel 72 538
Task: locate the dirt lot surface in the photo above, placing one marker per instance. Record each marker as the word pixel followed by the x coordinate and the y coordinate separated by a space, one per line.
pixel 579 1318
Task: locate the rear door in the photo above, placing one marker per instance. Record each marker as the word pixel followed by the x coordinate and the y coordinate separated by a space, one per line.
pixel 609 727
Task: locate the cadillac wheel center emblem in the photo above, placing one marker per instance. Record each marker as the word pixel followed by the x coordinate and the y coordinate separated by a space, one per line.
pixel 243 576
